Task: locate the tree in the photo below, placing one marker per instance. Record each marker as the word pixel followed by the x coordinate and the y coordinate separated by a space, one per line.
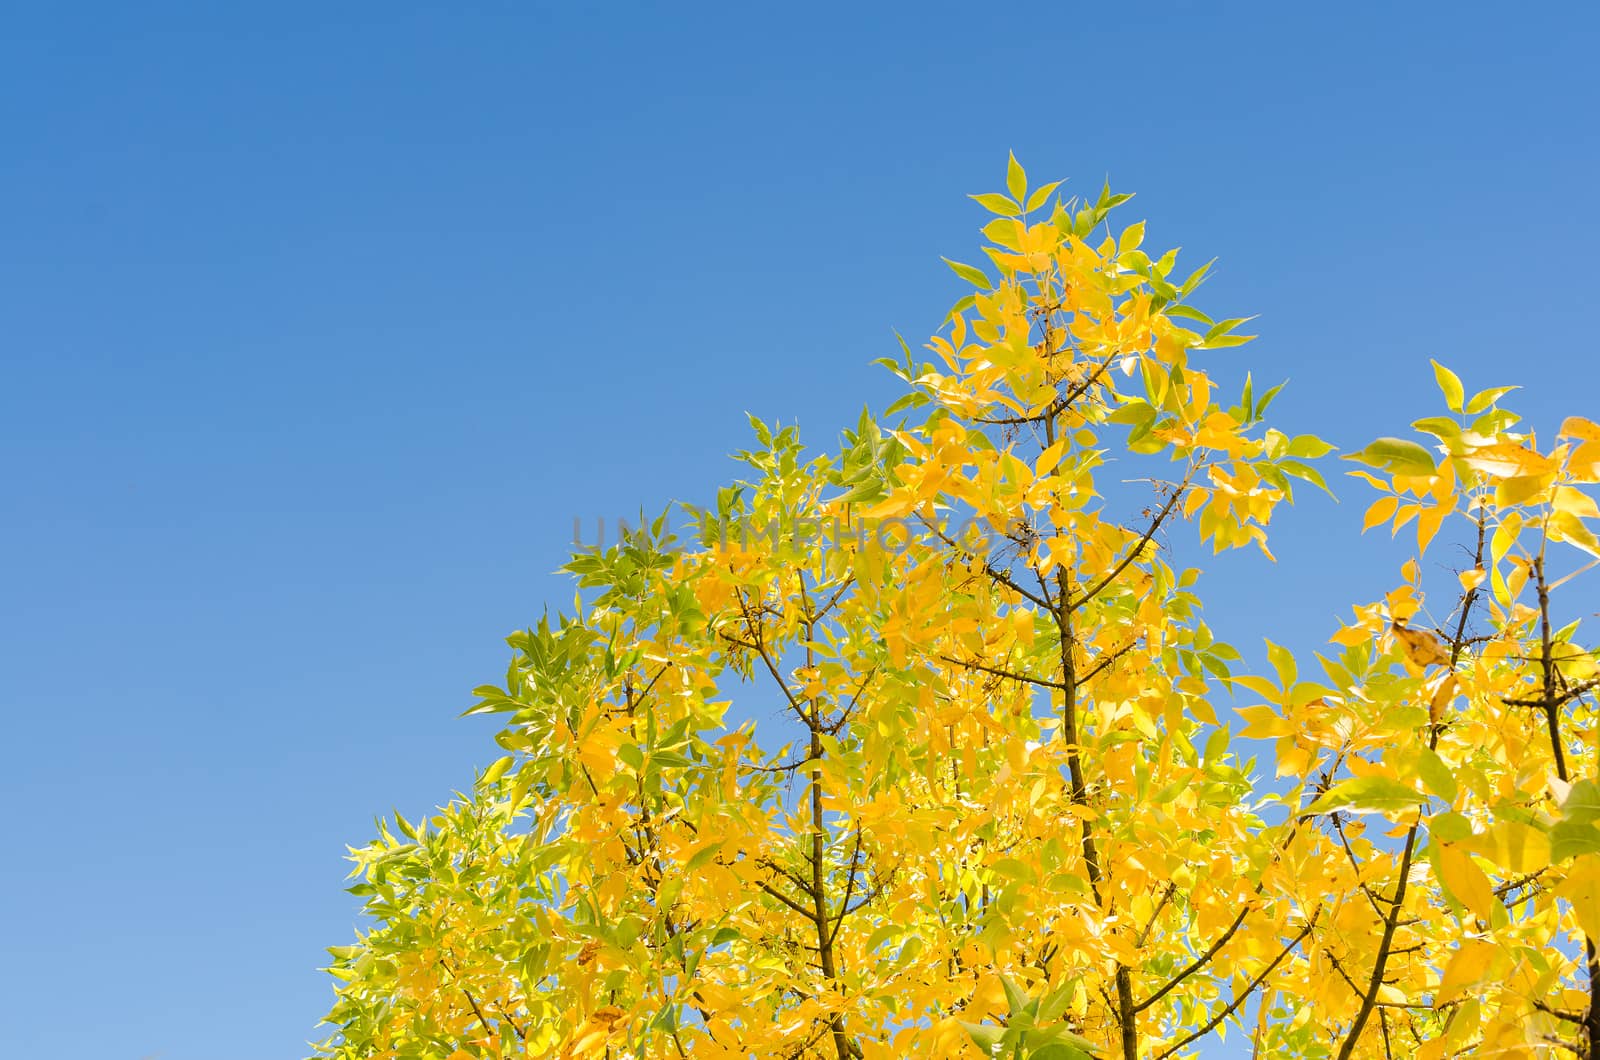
pixel 989 805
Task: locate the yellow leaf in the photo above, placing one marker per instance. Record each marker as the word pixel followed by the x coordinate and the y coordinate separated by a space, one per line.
pixel 1444 484
pixel 1391 995
pixel 1022 626
pixel 1521 489
pixel 1260 686
pixel 1428 524
pixel 1051 457
pixel 989 995
pixel 1465 880
pixel 1584 463
pixel 1564 526
pixel 1582 889
pixel 1471 579
pixel 1505 535
pixel 718 998
pixel 1369 478
pixel 891 507
pixel 589 1042
pixel 1512 845
pixel 1575 502
pixel 1382 511
pixel 1578 427
pixel 1467 968
pixel 1421 647
pixel 1442 695
pixel 1507 460
pixel 1519 576
pixel 1350 636
pixel 1263 723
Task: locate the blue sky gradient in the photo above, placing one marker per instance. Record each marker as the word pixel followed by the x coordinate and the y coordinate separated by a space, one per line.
pixel 320 324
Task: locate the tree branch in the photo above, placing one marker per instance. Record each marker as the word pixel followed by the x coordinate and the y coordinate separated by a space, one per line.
pixel 1133 553
pixel 1244 994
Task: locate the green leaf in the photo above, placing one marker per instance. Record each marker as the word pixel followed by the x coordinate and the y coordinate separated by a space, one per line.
pixel 1188 312
pixel 491 699
pixel 1046 1039
pixel 1132 237
pixel 997 204
pixel 1441 427
pixel 1223 342
pixel 984 1036
pixel 1436 776
pixel 1568 839
pixel 498 769
pixel 702 858
pixel 1450 827
pixel 1196 278
pixel 1054 1005
pixel 1582 802
pixel 1216 744
pixel 1309 447
pixel 1016 179
pixel 970 274
pixel 1002 230
pixel 1368 795
pixel 911 400
pixel 1484 398
pixel 1037 199
pixel 1134 410
pixel 1059 1051
pixel 1307 474
pixel 1015 998
pixel 1266 399
pixel 1449 385
pixel 1395 455
pixel 1223 327
pixel 883 934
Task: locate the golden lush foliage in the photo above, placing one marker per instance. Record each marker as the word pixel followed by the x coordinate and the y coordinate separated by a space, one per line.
pixel 988 803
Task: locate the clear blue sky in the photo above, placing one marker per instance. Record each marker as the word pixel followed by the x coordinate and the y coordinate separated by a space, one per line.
pixel 319 324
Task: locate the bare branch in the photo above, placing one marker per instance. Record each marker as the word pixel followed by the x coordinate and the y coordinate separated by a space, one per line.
pixel 974 665
pixel 1138 547
pixel 1244 994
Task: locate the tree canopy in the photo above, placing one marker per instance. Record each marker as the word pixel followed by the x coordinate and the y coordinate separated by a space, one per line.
pixel 981 793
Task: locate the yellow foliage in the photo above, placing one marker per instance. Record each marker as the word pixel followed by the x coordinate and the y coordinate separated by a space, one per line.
pixel 981 782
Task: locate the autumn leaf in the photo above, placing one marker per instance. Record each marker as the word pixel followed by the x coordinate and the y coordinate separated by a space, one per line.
pixel 921 743
pixel 1421 647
